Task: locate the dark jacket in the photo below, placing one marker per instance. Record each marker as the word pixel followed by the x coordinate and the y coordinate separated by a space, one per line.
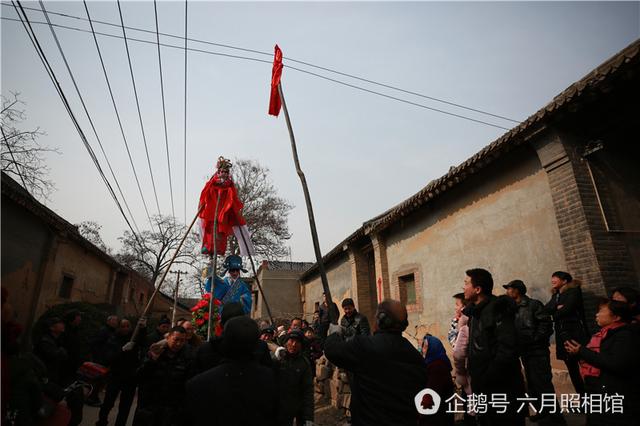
pixel 161 400
pixel 123 365
pixel 439 379
pixel 355 325
pixel 209 354
pixel 77 347
pixel 236 393
pixel 387 371
pixel 493 361
pixel 98 344
pixel 534 326
pixel 50 351
pixel 295 389
pixel 567 309
pixel 617 361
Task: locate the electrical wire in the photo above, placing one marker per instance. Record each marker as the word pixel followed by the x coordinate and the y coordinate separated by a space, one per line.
pixel 135 93
pixel 115 108
pixel 34 40
pixel 344 74
pixel 164 111
pixel 186 54
pixel 84 106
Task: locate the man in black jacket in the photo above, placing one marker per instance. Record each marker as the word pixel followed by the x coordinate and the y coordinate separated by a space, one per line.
pixel 534 326
pixel 239 390
pixel 326 314
pixel 493 357
pixel 388 371
pixel 353 322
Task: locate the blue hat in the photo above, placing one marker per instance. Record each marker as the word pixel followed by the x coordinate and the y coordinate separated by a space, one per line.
pixel 233 262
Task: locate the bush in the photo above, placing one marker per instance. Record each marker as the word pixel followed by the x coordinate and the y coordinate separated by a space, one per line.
pixel 94 317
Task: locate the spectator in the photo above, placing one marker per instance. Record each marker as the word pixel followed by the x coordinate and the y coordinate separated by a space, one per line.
pixel 534 326
pixel 460 361
pixel 608 364
pixel 388 371
pixel 267 334
pixel 452 334
pixel 76 345
pixel 121 378
pixel 294 382
pixel 327 315
pixel 311 348
pixel 315 322
pixel 296 324
pixel 98 344
pixel 193 340
pixel 492 352
pixel 438 379
pixel 628 295
pixel 567 309
pixel 353 323
pixel 164 325
pixel 305 324
pixel 162 377
pixel 245 390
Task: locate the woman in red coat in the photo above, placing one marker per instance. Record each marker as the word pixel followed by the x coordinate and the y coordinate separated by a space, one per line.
pixel 439 379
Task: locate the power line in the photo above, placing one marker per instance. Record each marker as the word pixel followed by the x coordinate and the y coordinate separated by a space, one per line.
pixel 353 86
pixel 34 40
pixel 164 112
pixel 84 106
pixel 186 16
pixel 344 74
pixel 135 92
pixel 115 108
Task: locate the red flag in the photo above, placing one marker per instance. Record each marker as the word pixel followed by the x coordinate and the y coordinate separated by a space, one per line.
pixel 275 103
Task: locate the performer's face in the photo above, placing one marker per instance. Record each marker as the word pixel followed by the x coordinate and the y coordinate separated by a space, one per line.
pixel 234 273
pixel 223 174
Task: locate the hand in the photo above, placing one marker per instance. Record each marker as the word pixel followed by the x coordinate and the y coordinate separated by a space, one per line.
pixel 559 306
pixel 572 347
pixel 308 423
pixel 280 352
pixel 142 322
pixel 128 346
pixel 334 328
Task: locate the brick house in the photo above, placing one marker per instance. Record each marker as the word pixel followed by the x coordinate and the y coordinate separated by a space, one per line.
pixel 560 191
pixel 45 262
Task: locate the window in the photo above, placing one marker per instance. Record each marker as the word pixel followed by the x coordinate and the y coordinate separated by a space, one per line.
pixel 407 287
pixel 131 293
pixel 66 287
pixel 141 298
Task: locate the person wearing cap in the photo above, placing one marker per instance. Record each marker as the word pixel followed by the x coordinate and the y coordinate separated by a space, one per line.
pixel 534 326
pixel 232 288
pixel 353 322
pixel 294 381
pixel 245 391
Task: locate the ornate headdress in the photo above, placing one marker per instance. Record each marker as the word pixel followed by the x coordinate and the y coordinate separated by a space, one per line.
pixel 223 164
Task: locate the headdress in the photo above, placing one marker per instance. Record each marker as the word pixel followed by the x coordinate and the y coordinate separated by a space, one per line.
pixel 223 164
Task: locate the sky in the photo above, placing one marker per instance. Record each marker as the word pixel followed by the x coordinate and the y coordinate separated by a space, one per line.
pixel 361 153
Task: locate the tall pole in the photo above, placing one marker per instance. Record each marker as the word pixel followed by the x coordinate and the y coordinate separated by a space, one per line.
pixel 214 265
pixel 175 299
pixel 255 274
pixel 147 308
pixel 312 222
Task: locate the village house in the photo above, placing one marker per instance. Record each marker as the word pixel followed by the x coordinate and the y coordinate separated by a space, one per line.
pixel 45 262
pixel 560 191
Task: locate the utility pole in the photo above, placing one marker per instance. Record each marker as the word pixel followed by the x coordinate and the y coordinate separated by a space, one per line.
pixel 175 296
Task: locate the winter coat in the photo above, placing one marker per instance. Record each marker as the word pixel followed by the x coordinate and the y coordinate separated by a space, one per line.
pixel 493 362
pixel 49 350
pixel 209 354
pixel 162 388
pixel 439 379
pixel 387 372
pixel 123 365
pixel 534 326
pixel 460 352
pixel 355 325
pixel 617 361
pixel 98 344
pixel 295 388
pixel 235 393
pixel 77 347
pixel 567 309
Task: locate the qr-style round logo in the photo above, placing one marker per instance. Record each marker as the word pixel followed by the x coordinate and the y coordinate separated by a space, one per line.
pixel 434 396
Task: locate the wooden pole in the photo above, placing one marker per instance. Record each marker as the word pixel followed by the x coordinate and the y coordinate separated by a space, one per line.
pixel 214 265
pixel 255 274
pixel 147 308
pixel 307 199
pixel 175 301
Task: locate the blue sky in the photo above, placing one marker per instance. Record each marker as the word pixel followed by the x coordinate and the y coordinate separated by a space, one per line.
pixel 361 153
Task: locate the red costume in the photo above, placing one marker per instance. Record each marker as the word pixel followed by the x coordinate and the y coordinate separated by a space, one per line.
pixel 229 215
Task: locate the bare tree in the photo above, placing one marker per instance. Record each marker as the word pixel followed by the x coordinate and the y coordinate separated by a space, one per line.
pixel 150 252
pixel 91 231
pixel 22 156
pixel 266 213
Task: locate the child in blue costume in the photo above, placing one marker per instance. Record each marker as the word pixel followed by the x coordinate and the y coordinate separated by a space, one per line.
pixel 232 288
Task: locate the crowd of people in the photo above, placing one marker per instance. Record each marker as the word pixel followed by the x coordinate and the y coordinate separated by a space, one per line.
pixel 261 373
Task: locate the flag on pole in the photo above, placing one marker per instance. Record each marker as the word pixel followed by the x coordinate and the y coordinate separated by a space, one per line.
pixel 275 103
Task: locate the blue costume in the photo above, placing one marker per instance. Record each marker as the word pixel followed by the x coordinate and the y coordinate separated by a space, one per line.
pixel 227 291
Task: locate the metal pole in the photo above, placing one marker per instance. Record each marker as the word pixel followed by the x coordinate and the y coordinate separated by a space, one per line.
pixel 214 265
pixel 255 274
pixel 312 222
pixel 175 300
pixel 147 308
